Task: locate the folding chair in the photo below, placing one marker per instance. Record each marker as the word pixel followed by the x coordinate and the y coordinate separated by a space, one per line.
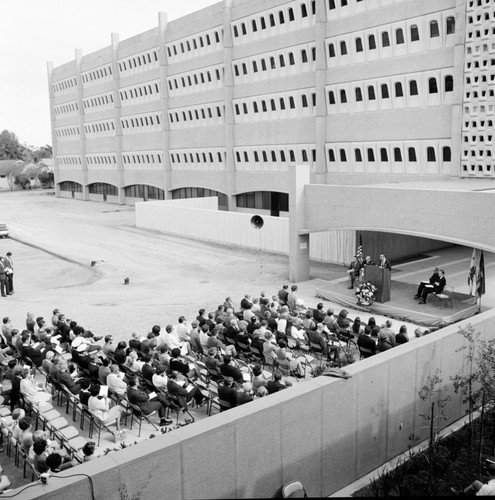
pixel 139 416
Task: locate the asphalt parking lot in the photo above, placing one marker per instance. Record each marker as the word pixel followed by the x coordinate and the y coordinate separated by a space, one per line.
pixel 55 241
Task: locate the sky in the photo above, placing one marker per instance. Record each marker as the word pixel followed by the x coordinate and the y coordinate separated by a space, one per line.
pixel 33 32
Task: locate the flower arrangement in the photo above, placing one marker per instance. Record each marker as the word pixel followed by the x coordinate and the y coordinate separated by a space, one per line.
pixel 365 293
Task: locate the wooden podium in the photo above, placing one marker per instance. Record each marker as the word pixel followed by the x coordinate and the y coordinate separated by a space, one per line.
pixel 380 277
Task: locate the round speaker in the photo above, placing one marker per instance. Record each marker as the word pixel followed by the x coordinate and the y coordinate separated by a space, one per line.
pixel 257 221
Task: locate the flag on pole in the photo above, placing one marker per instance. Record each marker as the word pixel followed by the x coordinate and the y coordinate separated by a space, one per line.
pixel 472 274
pixel 359 253
pixel 480 278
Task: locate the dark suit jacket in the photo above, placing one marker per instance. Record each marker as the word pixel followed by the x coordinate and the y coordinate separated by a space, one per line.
pixel 148 371
pixel 275 386
pixel 231 371
pixel 139 398
pixel 441 285
pixel 65 379
pixel 366 341
pixel 228 394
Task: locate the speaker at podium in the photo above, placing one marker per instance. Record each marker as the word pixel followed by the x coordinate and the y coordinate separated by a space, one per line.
pixel 380 277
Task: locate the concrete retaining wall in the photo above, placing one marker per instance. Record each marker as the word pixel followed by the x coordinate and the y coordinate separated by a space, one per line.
pixel 327 432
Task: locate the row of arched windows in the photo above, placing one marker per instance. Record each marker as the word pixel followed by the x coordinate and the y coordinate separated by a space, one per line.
pixel 97 74
pixel 197 157
pixel 144 158
pixel 99 127
pixel 97 101
pixel 137 61
pixel 65 85
pixel 203 40
pixel 196 79
pixel 101 159
pixel 385 41
pixel 274 19
pixel 146 90
pixel 140 121
pixel 383 154
pixel 67 132
pixel 384 91
pixel 201 113
pixel 68 108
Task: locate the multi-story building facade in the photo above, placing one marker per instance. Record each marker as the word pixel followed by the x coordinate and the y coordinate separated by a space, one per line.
pixel 221 101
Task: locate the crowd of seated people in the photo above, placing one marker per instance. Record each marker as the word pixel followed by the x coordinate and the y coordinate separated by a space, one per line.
pixel 161 370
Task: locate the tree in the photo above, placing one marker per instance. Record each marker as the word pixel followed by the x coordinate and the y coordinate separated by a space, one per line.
pixel 10 149
pixel 23 180
pixel 47 179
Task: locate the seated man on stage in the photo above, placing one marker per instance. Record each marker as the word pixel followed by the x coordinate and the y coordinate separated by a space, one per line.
pixel 436 287
pixel 433 278
pixel 354 270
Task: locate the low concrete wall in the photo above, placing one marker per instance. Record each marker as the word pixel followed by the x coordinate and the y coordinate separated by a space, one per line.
pixel 327 432
pixel 200 218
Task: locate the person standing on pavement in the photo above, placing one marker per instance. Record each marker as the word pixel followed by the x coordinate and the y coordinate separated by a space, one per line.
pixel 10 273
pixel 3 276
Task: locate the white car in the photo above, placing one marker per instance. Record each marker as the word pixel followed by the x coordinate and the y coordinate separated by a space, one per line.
pixel 4 231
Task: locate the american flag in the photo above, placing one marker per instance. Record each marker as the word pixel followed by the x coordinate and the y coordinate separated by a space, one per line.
pixel 359 253
pixel 472 274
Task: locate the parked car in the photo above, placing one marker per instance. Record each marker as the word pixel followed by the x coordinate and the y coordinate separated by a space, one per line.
pixel 4 231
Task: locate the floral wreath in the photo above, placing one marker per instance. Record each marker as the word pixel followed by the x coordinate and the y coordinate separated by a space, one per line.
pixel 366 291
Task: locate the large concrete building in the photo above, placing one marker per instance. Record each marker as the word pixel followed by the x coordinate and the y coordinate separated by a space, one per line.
pixel 222 101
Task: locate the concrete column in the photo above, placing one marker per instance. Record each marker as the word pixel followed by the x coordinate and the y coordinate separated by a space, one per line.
pixel 228 82
pixel 80 92
pixel 299 176
pixel 167 166
pixel 117 114
pixel 459 89
pixel 51 95
pixel 320 168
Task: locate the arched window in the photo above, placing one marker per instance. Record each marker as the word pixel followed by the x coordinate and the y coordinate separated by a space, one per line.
pixel 434 31
pixel 304 155
pixel 371 154
pixel 343 48
pixel 384 90
pixel 291 14
pixel 343 156
pixel 281 17
pixel 383 154
pixel 371 42
pixel 385 39
pixel 331 155
pixel 414 33
pixel 304 10
pixel 304 56
pixel 357 155
pixel 331 97
pixel 398 89
pixel 413 87
pixel 331 4
pixel 331 50
pixel 397 154
pixel 449 83
pixel 359 94
pixel 432 86
pixel 281 60
pixel 446 153
pixel 430 154
pixel 271 17
pixel 292 61
pixel 236 32
pixel 411 154
pixel 254 26
pixel 371 93
pixel 343 96
pixel 359 45
pixel 450 25
pixel 243 29
pixel 399 36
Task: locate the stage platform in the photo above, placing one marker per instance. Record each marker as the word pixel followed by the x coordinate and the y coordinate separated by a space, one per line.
pixel 402 305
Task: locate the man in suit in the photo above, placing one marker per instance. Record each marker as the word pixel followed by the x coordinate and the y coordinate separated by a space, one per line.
pixel 436 287
pixel 365 340
pixel 432 279
pixel 10 273
pixel 3 276
pixel 354 270
pixel 141 399
pixel 227 393
pixel 384 262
